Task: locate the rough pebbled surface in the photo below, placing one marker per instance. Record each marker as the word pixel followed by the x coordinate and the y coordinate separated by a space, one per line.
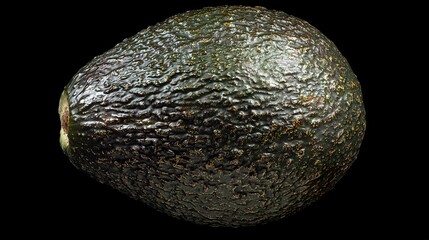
pixel 227 116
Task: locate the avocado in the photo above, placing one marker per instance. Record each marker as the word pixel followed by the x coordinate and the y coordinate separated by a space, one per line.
pixel 224 116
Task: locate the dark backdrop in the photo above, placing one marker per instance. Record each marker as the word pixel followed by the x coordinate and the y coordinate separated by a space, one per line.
pixel 53 195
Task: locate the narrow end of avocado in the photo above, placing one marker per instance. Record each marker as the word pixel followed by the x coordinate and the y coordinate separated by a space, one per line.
pixel 63 111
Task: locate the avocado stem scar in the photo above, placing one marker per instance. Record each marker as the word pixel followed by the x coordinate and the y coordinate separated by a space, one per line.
pixel 63 111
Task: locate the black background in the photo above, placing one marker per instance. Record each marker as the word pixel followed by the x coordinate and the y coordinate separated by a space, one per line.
pixel 376 196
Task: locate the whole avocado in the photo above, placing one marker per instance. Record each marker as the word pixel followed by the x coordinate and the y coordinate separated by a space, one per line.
pixel 225 116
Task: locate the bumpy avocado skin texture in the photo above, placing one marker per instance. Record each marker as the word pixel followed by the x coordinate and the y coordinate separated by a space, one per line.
pixel 226 116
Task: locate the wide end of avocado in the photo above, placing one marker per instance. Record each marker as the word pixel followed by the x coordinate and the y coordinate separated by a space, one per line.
pixel 63 111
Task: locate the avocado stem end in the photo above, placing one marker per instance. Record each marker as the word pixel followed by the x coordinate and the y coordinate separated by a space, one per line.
pixel 63 111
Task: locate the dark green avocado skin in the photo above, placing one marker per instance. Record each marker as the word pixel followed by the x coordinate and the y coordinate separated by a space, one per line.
pixel 225 116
